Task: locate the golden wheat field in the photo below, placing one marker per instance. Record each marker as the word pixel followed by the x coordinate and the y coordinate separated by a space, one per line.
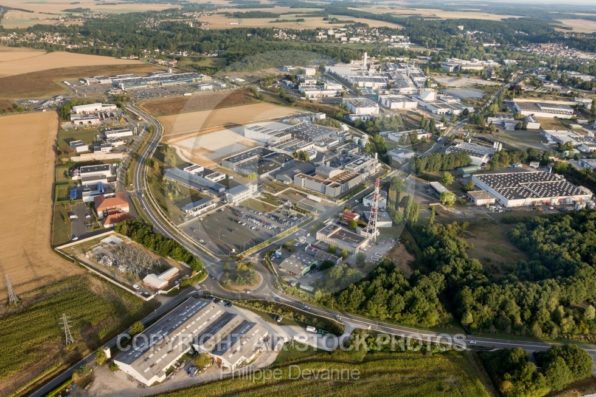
pixel 26 202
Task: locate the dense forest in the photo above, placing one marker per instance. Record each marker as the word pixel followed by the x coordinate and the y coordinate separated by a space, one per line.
pixel 558 302
pixel 515 375
pixel 557 247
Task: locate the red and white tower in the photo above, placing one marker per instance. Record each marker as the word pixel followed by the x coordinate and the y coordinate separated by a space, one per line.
pixel 371 228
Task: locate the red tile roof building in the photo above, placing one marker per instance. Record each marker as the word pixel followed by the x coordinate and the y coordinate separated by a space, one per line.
pixel 112 209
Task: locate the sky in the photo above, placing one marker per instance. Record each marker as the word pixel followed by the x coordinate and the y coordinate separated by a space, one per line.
pixel 578 2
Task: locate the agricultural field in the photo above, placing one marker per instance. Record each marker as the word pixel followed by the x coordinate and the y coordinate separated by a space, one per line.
pixel 198 102
pixel 579 25
pixel 191 123
pixel 205 136
pixel 434 13
pixel 29 13
pixel 31 340
pixel 292 20
pixel 15 61
pixel 26 202
pixel 45 83
pixel 380 374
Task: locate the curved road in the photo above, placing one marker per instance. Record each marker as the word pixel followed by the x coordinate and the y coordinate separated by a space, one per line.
pixel 268 289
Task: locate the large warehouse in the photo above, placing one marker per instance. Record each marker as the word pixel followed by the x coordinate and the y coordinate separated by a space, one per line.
pixel 544 109
pixel 525 188
pixel 227 336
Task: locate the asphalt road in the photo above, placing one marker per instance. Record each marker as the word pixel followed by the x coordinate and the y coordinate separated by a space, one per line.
pixel 268 288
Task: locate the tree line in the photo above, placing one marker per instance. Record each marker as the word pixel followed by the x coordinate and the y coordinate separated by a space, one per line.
pixel 441 162
pixel 144 234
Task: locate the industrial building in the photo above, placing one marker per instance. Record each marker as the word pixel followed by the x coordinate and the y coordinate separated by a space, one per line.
pixel 506 122
pixel 368 200
pixel 91 191
pixel 317 91
pixel 79 146
pixel 438 187
pixel 193 181
pixel 258 160
pixel 117 133
pixel 84 120
pixel 384 220
pixel 111 210
pixel 479 154
pixel 231 340
pixel 303 260
pixel 238 194
pixel 93 108
pixel 354 162
pixel 161 281
pixel 455 65
pixel 94 174
pixel 328 181
pixel 398 102
pixel 358 75
pixel 269 133
pixel 132 82
pixel 574 138
pixel 587 164
pixel 228 337
pixel 194 169
pixel 400 156
pixel 544 109
pixel 406 137
pixel 481 198
pixel 199 207
pixel 526 188
pixel 361 108
pixel 341 238
pixel 443 104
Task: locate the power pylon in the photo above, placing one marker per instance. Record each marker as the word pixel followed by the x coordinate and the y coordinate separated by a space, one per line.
pixel 68 339
pixel 13 299
pixel 371 228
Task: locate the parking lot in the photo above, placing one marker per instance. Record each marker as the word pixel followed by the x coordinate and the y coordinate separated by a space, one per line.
pixel 82 220
pixel 235 229
pixel 149 92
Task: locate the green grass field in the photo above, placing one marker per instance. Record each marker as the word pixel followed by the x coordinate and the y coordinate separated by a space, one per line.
pixel 31 338
pixel 258 205
pixel 87 135
pixel 491 245
pixel 61 224
pixel 379 374
pixel 61 174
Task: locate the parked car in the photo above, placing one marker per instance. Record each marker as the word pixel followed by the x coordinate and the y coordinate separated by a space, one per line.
pixel 192 371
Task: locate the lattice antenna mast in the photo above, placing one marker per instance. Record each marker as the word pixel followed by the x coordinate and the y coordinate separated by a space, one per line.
pixel 13 299
pixel 68 339
pixel 371 227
